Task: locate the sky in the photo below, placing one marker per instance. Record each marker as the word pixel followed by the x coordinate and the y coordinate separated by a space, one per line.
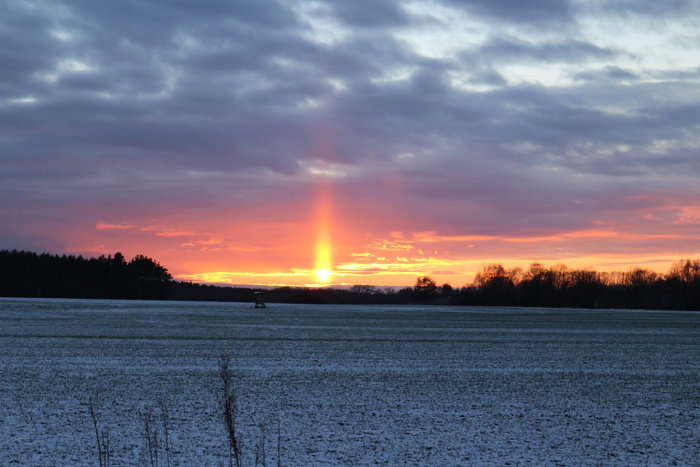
pixel 340 142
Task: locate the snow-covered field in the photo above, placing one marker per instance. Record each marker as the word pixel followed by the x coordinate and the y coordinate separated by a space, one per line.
pixel 352 385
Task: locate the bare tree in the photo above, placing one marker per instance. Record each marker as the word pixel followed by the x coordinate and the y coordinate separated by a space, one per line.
pixel 425 289
pixel 165 419
pixel 230 409
pixel 101 434
pixel 260 453
pixel 279 444
pixel 150 434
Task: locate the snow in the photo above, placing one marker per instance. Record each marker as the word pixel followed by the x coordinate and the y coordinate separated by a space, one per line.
pixel 352 385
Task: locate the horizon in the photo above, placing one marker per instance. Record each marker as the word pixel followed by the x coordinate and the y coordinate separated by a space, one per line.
pixel 343 143
pixel 328 284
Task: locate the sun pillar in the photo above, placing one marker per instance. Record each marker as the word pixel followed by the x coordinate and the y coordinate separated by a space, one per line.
pixel 324 222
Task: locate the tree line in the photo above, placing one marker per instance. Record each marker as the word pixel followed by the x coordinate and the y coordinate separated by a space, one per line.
pixel 561 287
pixel 28 274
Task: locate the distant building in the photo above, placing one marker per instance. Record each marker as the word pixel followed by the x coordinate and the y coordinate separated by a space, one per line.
pixel 260 300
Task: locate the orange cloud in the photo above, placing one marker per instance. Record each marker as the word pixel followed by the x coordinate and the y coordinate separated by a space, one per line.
pixel 101 225
pixel 319 246
pixel 689 215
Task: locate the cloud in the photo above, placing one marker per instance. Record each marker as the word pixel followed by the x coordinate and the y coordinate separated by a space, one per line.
pixel 469 119
pixel 369 13
pixel 570 50
pixel 665 9
pixel 101 225
pixel 609 74
pixel 545 12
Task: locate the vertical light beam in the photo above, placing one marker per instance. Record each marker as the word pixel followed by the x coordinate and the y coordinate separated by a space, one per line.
pixel 324 204
pixel 324 216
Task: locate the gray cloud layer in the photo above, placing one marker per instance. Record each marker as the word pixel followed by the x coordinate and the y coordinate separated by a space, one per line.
pixel 528 119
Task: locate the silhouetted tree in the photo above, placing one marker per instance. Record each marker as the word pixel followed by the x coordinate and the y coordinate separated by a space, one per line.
pixel 363 289
pixel 537 286
pixel 26 274
pixel 496 286
pixel 425 289
pixel 585 288
pixel 683 284
pixel 640 287
pixel 446 290
pixel 149 279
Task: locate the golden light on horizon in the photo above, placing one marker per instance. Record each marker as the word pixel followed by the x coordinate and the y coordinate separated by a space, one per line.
pixel 323 225
pixel 323 276
pixel 324 263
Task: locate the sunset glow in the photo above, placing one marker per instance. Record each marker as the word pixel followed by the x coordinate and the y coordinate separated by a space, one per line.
pixel 324 225
pixel 323 276
pixel 323 262
pixel 347 148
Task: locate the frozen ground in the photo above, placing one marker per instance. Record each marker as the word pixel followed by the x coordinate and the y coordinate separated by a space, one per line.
pixel 352 385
